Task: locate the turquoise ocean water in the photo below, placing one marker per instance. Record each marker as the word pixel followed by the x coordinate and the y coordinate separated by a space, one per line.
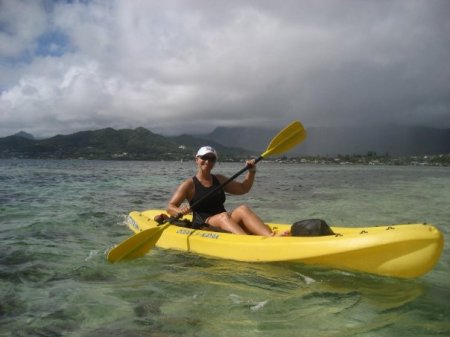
pixel 59 218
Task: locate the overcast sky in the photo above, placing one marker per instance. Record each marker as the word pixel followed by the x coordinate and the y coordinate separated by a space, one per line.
pixel 189 66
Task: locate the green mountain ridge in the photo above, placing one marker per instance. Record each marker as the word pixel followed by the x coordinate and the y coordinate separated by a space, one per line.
pixel 108 143
pixel 232 143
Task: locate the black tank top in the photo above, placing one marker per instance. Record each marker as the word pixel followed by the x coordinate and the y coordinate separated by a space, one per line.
pixel 212 205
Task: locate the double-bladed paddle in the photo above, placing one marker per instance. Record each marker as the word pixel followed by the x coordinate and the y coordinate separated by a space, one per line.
pixel 139 244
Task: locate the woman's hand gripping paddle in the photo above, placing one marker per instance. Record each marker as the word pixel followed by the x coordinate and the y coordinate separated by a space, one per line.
pixel 139 244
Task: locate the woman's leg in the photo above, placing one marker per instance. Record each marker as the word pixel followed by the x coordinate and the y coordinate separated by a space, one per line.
pixel 242 221
pixel 244 216
pixel 225 222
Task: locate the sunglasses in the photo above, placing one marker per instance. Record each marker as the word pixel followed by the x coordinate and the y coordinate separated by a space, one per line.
pixel 212 159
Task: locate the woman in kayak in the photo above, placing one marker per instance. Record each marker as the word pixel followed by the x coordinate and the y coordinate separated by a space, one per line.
pixel 211 211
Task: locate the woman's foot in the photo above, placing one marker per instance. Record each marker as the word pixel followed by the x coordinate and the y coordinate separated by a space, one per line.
pixel 284 233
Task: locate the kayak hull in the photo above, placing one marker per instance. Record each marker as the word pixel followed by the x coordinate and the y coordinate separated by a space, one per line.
pixel 404 250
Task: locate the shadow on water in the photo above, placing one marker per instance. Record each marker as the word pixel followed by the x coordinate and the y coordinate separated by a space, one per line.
pixel 173 293
pixel 169 293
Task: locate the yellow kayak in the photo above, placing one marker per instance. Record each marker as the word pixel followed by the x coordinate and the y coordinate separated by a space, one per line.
pixel 403 250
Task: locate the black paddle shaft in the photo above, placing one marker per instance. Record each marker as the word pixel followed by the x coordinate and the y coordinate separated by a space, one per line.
pixel 179 215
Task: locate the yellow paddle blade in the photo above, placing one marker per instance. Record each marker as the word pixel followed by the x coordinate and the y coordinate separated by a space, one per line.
pixel 286 139
pixel 137 245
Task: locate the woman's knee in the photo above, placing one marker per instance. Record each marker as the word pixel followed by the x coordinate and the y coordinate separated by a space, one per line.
pixel 243 209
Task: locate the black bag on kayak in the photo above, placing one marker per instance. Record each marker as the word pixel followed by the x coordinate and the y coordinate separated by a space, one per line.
pixel 311 227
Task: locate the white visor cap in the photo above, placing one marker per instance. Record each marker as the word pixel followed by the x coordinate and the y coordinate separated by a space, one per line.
pixel 205 150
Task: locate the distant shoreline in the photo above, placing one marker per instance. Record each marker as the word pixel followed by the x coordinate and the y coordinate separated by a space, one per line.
pixel 442 160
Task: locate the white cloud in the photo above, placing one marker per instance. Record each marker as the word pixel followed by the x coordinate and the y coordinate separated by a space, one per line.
pixel 21 23
pixel 178 66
